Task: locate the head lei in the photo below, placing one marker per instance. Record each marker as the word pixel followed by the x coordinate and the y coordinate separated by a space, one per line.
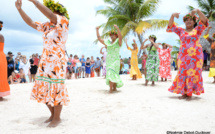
pixel 213 35
pixel 113 32
pixel 1 25
pixel 153 36
pixel 56 7
pixel 195 18
pixel 163 44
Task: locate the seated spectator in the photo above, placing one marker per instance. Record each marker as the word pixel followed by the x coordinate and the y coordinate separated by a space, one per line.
pixel 14 78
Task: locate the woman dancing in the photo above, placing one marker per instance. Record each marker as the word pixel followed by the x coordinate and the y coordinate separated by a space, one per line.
pixel 104 60
pixel 135 71
pixel 4 86
pixel 165 61
pixel 189 79
pixel 113 58
pixel 212 55
pixel 49 87
pixel 152 63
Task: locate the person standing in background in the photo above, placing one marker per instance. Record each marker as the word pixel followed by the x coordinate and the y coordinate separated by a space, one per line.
pixel 10 64
pixel 83 62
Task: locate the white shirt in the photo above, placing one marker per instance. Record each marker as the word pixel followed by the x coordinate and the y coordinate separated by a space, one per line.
pixel 25 67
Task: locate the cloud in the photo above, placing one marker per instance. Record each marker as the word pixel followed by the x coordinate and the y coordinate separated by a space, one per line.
pixel 20 37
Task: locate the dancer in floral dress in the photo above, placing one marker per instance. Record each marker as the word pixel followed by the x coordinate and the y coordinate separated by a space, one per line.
pixel 135 71
pixel 152 63
pixel 113 58
pixel 165 61
pixel 189 79
pixel 212 55
pixel 49 87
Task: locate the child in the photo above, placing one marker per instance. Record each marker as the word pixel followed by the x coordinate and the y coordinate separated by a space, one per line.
pixel 22 76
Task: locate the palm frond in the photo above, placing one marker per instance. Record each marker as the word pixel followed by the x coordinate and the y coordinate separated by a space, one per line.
pixel 128 27
pixel 142 26
pixel 158 24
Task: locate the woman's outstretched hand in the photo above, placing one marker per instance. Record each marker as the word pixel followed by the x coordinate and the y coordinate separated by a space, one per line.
pixel 18 4
pixel 194 11
pixel 176 15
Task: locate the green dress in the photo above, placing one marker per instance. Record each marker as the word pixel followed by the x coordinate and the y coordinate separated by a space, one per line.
pixel 152 65
pixel 113 63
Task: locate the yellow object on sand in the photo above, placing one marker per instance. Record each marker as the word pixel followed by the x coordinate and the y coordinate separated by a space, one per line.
pixel 134 64
pixel 212 72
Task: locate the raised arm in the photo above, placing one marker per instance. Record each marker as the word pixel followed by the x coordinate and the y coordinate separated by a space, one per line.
pixel 155 44
pixel 202 17
pixel 209 28
pixel 171 20
pixel 101 51
pixel 170 46
pixel 24 16
pixel 119 35
pixel 142 45
pixel 126 43
pixel 99 37
pixel 45 10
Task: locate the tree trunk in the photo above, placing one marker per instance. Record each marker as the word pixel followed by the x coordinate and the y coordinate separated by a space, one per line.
pixel 140 37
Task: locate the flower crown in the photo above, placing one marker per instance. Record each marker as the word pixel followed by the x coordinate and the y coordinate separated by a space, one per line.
pixel 163 44
pixel 213 35
pixel 113 32
pixel 1 25
pixel 195 18
pixel 56 6
pixel 153 36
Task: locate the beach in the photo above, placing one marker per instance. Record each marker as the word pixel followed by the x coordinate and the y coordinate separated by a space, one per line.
pixel 134 109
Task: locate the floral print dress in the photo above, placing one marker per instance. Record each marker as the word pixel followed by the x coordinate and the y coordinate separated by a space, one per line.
pixel 165 63
pixel 49 87
pixel 152 64
pixel 190 61
pixel 113 63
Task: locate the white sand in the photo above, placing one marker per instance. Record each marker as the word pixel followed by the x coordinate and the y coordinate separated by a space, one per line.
pixel 135 109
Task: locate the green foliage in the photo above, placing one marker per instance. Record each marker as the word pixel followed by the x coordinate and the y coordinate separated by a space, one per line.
pixel 129 16
pixel 207 7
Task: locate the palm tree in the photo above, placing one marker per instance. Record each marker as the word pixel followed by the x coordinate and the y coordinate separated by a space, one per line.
pixel 207 7
pixel 175 49
pixel 129 16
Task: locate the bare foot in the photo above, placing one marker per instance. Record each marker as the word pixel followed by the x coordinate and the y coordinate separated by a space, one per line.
pixel 49 120
pixel 161 79
pixel 54 123
pixel 189 98
pixel 214 82
pixel 1 99
pixel 183 97
pixel 111 91
pixel 153 83
pixel 165 79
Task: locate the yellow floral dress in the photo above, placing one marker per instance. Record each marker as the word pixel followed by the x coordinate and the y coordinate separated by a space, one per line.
pixel 134 63
pixel 49 87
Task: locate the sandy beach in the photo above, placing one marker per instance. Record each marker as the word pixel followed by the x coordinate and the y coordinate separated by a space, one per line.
pixel 134 109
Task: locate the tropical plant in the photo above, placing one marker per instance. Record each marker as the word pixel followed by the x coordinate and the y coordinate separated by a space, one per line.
pixel 131 16
pixel 207 7
pixel 175 49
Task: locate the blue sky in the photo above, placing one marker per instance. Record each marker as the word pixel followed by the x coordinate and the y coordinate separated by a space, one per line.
pixel 19 37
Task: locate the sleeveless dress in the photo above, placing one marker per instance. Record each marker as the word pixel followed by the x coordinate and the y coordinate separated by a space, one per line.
pixel 88 71
pixel 190 61
pixel 113 63
pixel 4 86
pixel 152 65
pixel 49 87
pixel 165 63
pixel 134 63
pixel 104 63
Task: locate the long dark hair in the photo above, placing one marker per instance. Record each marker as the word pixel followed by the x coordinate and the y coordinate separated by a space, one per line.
pixel 152 45
pixel 1 22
